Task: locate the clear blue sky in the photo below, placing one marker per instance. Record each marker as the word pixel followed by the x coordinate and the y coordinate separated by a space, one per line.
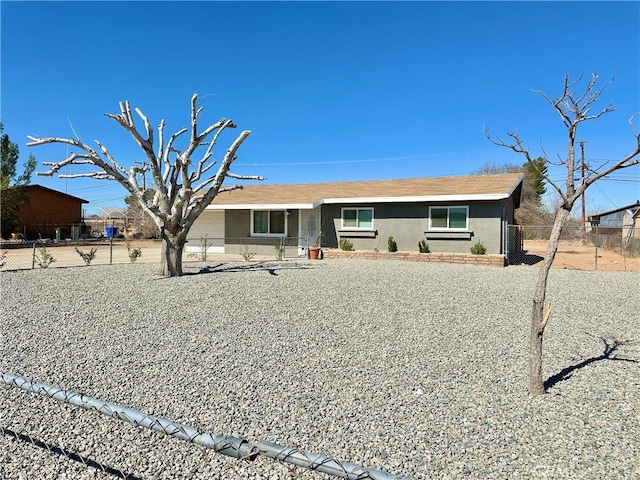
pixel 331 91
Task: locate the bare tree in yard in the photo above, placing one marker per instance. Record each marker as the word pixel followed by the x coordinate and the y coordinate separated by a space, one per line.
pixel 573 108
pixel 184 184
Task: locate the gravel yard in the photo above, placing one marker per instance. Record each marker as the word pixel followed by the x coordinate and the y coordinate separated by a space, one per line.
pixel 414 368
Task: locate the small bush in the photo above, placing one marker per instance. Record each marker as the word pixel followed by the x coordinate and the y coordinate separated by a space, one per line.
pixel 246 253
pixel 279 251
pixel 346 244
pixel 478 249
pixel 87 256
pixel 203 248
pixel 392 245
pixel 423 246
pixel 134 253
pixel 45 258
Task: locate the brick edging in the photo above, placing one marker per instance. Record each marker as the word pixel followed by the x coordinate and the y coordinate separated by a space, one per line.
pixel 491 260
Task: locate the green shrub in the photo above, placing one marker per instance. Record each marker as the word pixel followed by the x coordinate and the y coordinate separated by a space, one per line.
pixel 45 258
pixel 478 249
pixel 280 248
pixel 87 256
pixel 423 246
pixel 134 253
pixel 392 245
pixel 346 244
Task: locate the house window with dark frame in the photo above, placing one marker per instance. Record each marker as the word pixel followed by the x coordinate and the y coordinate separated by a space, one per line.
pixel 357 218
pixel 449 218
pixel 268 222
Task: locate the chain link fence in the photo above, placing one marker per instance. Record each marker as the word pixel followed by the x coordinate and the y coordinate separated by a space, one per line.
pixel 579 248
pixel 33 410
pixel 28 254
pixel 247 248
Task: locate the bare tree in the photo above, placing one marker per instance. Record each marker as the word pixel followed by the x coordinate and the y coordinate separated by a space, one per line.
pixel 573 108
pixel 184 184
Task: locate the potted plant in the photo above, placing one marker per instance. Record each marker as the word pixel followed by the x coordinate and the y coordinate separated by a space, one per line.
pixel 314 252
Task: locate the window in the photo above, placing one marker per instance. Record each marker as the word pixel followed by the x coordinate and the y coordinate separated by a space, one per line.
pixel 268 222
pixel 357 218
pixel 449 218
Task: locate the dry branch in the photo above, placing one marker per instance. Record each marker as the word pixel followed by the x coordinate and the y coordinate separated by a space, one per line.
pixel 174 206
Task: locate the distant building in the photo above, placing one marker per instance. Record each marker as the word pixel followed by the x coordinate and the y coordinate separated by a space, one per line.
pixel 616 218
pixel 51 214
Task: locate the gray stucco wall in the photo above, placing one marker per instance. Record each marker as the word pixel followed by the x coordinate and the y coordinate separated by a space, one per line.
pixel 408 224
pixel 238 233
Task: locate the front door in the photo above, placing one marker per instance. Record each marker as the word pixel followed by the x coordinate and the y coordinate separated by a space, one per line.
pixel 309 221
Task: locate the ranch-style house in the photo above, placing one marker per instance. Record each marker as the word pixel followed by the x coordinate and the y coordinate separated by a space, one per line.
pixel 450 213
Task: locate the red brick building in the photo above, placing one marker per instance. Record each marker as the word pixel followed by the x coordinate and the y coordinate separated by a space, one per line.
pixel 49 210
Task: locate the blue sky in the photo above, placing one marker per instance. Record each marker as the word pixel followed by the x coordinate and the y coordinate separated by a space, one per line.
pixel 332 91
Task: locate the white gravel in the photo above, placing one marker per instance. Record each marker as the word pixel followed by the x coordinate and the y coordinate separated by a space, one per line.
pixel 416 369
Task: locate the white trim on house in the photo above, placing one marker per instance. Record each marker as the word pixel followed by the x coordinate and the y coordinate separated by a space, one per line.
pixel 369 200
pixel 414 199
pixel 263 206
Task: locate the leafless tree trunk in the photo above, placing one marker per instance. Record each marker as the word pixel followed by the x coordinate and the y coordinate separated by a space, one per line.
pixel 573 110
pixel 184 184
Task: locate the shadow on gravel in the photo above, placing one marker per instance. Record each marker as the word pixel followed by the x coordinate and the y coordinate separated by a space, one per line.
pixel 528 258
pixel 87 462
pixel 270 268
pixel 610 348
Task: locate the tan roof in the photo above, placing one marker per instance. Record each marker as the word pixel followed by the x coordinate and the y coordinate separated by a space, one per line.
pixel 411 189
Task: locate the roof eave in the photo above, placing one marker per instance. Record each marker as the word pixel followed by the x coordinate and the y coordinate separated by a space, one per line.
pixel 419 199
pixel 261 206
pixel 358 200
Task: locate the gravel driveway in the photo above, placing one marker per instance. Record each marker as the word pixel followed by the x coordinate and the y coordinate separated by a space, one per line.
pixel 413 368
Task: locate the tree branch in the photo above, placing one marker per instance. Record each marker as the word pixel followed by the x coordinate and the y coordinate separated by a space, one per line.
pixel 518 147
pixel 223 171
pixel 201 168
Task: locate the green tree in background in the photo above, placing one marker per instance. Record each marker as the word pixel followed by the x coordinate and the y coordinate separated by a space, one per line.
pixel 12 196
pixel 532 210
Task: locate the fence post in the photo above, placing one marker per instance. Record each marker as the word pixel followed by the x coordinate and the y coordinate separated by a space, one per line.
pixel 596 259
pixel 507 245
pixel 111 250
pixel 33 257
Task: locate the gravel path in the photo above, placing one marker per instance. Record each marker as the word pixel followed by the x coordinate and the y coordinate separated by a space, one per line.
pixel 417 369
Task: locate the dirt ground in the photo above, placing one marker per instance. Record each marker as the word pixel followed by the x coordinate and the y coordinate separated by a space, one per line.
pixel 576 256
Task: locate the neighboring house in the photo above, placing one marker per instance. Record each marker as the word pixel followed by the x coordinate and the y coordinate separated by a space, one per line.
pixel 635 222
pixel 631 223
pixel 616 218
pixel 451 213
pixel 50 214
pixel 623 221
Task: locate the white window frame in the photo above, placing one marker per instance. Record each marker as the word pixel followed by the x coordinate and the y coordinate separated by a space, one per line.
pixel 448 228
pixel 274 235
pixel 342 225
